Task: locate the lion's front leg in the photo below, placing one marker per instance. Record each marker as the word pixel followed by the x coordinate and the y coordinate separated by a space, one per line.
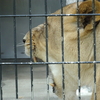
pixel 98 90
pixel 97 93
pixel 97 87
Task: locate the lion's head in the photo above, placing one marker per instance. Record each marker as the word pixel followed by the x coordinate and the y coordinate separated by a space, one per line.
pixel 70 28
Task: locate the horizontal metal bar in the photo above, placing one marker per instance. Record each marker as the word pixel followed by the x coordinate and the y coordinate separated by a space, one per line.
pixel 46 15
pixel 44 63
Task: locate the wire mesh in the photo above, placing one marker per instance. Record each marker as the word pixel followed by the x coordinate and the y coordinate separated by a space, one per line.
pixel 31 63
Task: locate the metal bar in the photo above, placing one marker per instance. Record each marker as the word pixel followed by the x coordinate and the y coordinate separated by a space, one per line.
pixel 1 97
pixel 43 63
pixel 15 49
pixel 47 66
pixel 1 93
pixel 46 15
pixel 30 30
pixel 62 49
pixel 31 67
pixel 78 46
pixel 94 40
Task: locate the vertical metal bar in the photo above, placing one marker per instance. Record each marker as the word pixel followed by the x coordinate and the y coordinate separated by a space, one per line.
pixel 31 67
pixel 1 94
pixel 15 49
pixel 78 46
pixel 1 97
pixel 94 40
pixel 47 67
pixel 62 49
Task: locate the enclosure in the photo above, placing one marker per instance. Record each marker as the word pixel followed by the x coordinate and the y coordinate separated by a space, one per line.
pixel 21 77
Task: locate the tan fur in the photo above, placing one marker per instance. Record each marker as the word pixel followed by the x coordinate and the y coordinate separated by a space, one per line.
pixel 70 48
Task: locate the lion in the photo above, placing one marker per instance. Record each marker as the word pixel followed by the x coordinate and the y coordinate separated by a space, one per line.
pixel 89 50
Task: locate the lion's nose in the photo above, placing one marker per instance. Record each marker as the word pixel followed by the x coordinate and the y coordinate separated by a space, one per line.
pixel 24 40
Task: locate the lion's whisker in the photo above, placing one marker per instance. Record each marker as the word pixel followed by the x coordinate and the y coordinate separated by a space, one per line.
pixel 22 33
pixel 20 44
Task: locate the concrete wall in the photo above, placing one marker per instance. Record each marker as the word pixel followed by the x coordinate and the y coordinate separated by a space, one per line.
pixel 22 23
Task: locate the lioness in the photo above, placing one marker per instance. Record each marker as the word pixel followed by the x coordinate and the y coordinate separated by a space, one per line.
pixel 70 27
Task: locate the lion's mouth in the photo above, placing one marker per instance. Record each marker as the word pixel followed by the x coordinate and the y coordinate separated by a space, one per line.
pixel 28 47
pixel 27 44
pixel 33 51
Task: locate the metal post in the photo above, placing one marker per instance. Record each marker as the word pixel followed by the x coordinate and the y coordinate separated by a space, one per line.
pixel 1 94
pixel 31 60
pixel 62 49
pixel 94 43
pixel 1 97
pixel 47 66
pixel 78 46
pixel 15 50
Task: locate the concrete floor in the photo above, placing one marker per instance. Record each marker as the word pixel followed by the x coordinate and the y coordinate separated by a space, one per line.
pixel 24 83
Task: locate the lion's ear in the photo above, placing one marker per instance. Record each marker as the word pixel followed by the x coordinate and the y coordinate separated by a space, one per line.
pixel 87 8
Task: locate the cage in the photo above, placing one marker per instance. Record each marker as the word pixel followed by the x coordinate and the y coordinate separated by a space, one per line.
pixel 21 77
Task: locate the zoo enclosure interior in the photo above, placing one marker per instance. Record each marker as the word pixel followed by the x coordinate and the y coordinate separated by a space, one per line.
pixel 16 18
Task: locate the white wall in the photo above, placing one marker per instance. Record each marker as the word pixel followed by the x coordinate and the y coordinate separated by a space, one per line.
pixel 71 1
